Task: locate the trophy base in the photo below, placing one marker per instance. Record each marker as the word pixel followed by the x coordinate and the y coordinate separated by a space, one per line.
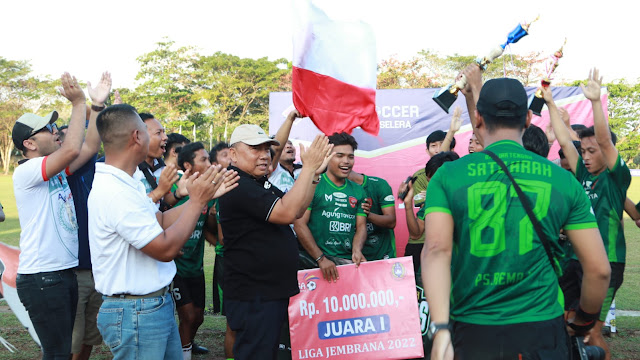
pixel 536 104
pixel 444 98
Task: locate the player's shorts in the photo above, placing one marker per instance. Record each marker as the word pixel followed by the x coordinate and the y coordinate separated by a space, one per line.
pixel 85 328
pixel 546 340
pixel 187 290
pixel 571 284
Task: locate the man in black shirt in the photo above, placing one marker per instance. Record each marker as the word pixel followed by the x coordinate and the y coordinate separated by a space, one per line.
pixel 261 251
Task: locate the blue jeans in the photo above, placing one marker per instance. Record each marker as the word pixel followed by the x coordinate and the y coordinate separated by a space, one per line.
pixel 51 299
pixel 140 328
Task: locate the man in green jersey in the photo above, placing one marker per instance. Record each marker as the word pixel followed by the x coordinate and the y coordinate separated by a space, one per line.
pixel 483 266
pixel 188 285
pixel 335 223
pixel 381 216
pixel 605 178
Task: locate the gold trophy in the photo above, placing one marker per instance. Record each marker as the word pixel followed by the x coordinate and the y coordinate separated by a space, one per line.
pixel 448 95
pixel 537 101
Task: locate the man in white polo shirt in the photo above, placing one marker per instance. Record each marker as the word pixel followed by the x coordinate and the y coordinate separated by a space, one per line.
pixel 133 244
pixel 46 283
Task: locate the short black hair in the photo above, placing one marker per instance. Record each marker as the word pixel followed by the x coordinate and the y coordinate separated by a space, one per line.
pixel 112 123
pixel 576 144
pixel 437 160
pixel 187 153
pixel 146 116
pixel 439 135
pixel 174 139
pixel 591 131
pixel 213 154
pixel 535 140
pixel 343 138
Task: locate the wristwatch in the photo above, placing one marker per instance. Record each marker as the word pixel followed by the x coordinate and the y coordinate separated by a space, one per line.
pixel 434 328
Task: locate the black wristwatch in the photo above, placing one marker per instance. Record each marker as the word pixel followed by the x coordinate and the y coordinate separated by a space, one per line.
pixel 434 328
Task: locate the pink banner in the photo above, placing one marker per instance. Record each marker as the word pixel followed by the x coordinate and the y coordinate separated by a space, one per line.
pixel 370 313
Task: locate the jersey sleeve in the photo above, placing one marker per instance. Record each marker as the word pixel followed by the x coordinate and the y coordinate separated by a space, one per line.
pixel 361 195
pixel 385 194
pixel 420 214
pixel 621 174
pixel 436 200
pixel 581 214
pixel 31 173
pixel 137 222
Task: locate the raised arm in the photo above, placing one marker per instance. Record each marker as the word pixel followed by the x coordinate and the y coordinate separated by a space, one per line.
pixel 471 93
pixel 295 202
pixel 456 122
pixel 600 123
pixel 70 149
pixel 561 131
pixel 91 144
pixel 282 136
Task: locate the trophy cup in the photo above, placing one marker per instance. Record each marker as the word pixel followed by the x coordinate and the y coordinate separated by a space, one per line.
pixel 448 95
pixel 537 101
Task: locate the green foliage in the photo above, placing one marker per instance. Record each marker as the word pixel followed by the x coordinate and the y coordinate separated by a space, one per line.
pixel 624 119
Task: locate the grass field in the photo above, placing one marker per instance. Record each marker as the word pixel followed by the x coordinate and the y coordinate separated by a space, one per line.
pixel 625 344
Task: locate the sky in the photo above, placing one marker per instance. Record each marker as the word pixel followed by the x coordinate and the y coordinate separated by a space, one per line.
pixel 86 38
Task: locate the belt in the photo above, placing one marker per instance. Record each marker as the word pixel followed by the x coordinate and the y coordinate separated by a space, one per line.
pixel 157 293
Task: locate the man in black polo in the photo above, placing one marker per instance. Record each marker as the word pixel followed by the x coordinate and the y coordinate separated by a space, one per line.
pixel 261 251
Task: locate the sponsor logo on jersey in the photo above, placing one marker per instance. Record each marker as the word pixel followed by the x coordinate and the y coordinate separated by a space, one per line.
pixel 389 198
pixel 328 197
pixel 339 195
pixel 353 201
pixel 335 214
pixel 267 185
pixel 339 226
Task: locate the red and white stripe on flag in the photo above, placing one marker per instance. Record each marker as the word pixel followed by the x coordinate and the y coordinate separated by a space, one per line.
pixel 334 71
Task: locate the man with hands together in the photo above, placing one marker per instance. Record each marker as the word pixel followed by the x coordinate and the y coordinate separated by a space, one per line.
pixel 133 244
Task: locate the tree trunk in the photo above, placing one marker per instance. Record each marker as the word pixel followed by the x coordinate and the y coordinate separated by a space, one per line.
pixel 6 157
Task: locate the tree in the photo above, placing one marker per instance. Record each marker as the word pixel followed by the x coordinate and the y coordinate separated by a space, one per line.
pixel 428 69
pixel 624 119
pixel 167 81
pixel 19 93
pixel 234 90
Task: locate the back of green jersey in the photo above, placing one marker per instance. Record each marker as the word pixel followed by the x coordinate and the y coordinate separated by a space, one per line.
pixel 500 271
pixel 608 192
pixel 333 216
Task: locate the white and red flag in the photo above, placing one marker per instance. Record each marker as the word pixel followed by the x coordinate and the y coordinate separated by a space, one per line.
pixel 334 70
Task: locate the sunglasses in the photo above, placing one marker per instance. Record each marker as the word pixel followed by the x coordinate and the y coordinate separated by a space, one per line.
pixel 52 128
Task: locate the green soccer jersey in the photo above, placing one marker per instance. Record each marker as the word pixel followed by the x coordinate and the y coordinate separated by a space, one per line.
pixel 190 264
pixel 500 272
pixel 333 216
pixel 608 192
pixel 381 242
pixel 419 186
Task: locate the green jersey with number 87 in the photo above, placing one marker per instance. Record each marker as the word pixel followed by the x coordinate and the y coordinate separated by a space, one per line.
pixel 333 216
pixel 500 272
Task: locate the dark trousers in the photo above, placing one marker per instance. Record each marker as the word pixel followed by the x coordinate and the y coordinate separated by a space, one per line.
pixel 541 340
pixel 257 324
pixel 51 299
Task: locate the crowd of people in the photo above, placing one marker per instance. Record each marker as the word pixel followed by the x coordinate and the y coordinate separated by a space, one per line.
pixel 112 247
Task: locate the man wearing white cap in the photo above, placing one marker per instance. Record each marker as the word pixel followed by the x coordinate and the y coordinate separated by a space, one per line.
pixel 46 282
pixel 261 251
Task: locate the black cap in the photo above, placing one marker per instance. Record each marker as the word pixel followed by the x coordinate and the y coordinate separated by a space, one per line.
pixel 503 97
pixel 28 124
